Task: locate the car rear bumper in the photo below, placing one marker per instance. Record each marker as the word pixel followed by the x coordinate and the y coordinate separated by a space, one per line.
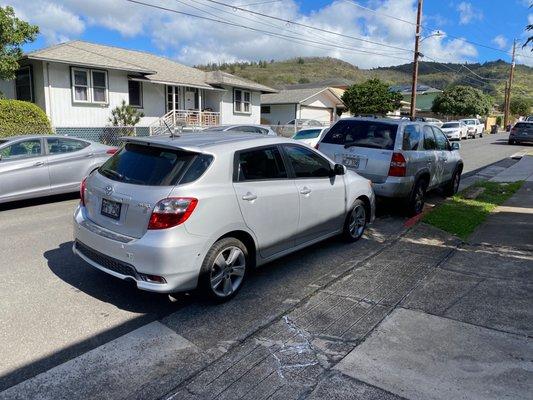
pixel 394 187
pixel 173 254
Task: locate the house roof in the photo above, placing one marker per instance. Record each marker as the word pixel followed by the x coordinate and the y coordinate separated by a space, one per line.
pixel 420 89
pixel 224 78
pixel 153 68
pixel 295 96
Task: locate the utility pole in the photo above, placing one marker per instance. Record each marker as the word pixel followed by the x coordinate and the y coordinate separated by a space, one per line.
pixel 415 63
pixel 509 87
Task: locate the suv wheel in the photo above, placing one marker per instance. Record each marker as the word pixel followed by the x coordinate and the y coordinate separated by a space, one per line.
pixel 452 187
pixel 417 199
pixel 355 224
pixel 224 269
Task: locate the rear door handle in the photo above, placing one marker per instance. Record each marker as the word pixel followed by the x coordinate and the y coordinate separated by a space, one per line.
pixel 249 197
pixel 38 163
pixel 305 190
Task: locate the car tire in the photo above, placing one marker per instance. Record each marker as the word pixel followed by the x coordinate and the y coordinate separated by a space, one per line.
pixel 417 198
pixel 356 221
pixel 452 187
pixel 224 269
pixel 511 142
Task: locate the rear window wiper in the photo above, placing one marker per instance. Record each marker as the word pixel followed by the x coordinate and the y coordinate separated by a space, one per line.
pixel 113 173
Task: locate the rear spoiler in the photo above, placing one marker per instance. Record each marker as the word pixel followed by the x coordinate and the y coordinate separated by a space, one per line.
pixel 172 146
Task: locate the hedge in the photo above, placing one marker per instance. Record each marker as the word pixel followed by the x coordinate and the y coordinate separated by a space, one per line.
pixel 22 118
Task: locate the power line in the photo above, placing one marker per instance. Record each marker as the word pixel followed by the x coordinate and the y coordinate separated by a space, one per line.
pixel 309 26
pixel 279 35
pixel 429 28
pixel 259 3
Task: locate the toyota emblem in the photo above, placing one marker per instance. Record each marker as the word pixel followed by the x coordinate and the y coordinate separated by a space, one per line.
pixel 108 190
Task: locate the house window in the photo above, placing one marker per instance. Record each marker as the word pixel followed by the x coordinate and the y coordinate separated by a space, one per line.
pixel 265 109
pixel 24 84
pixel 241 101
pixel 135 93
pixel 89 86
pixel 80 80
pixel 99 84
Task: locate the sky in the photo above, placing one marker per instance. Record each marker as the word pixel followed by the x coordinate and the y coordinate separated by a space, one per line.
pixel 345 29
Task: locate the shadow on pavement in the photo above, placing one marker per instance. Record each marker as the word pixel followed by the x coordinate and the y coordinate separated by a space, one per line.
pixel 12 205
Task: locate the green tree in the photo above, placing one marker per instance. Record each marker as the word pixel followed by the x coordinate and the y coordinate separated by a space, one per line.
pixel 528 29
pixel 463 101
pixel 371 97
pixel 520 106
pixel 14 33
pixel 125 115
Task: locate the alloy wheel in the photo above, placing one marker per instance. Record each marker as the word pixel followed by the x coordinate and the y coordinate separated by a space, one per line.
pixel 227 271
pixel 357 221
pixel 419 199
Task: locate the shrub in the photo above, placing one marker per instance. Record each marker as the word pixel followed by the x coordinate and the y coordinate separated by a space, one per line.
pixel 22 118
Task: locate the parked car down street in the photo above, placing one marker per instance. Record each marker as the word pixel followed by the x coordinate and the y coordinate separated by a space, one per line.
pixel 261 129
pixel 455 130
pixel 310 136
pixel 42 165
pixel 171 214
pixel 521 132
pixel 403 159
pixel 474 127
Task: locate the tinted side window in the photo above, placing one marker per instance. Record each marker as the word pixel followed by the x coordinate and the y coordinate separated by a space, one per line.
pixel 265 163
pixel 440 139
pixel 24 149
pixel 429 139
pixel 197 168
pixel 60 145
pixel 411 137
pixel 306 163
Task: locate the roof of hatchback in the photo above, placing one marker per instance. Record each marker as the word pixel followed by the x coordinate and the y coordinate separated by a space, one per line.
pixel 199 141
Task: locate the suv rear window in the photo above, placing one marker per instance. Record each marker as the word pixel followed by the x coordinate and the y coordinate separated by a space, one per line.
pixel 307 134
pixel 376 135
pixel 147 165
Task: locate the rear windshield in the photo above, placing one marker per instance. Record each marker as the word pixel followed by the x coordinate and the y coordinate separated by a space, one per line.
pixel 307 134
pixel 451 125
pixel 376 135
pixel 147 165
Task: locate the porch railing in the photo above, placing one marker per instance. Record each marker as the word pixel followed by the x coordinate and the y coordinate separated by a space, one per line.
pixel 185 119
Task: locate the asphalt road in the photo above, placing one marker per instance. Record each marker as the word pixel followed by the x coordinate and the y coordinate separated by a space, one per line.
pixel 54 307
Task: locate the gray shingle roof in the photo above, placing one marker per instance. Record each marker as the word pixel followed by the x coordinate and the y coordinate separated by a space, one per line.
pixel 223 78
pixel 155 68
pixel 292 96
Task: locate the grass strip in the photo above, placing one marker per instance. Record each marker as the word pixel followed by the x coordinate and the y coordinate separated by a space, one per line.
pixel 461 216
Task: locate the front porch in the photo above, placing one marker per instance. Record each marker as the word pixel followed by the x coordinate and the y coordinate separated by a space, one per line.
pixel 188 107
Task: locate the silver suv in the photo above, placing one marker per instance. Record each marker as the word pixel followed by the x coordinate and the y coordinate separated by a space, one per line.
pixel 174 213
pixel 404 159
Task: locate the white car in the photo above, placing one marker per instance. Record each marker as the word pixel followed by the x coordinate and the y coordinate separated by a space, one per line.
pixel 474 127
pixel 455 130
pixel 310 136
pixel 173 214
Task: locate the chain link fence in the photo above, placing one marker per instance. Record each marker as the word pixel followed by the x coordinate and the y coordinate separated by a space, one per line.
pixel 110 135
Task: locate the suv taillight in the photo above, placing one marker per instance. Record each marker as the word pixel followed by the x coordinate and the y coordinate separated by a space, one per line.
pixel 171 212
pixel 397 165
pixel 83 188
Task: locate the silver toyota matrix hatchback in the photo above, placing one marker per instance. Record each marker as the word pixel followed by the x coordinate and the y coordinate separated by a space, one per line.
pixel 200 210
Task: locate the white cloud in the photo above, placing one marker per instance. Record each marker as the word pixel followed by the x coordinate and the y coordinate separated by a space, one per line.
pixel 500 41
pixel 194 41
pixel 467 13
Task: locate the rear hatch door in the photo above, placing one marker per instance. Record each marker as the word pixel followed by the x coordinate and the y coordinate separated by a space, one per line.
pixel 363 146
pixel 121 195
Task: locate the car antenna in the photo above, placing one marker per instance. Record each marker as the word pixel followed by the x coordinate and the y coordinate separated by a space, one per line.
pixel 173 133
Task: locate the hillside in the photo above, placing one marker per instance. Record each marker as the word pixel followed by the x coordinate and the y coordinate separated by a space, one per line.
pixel 313 69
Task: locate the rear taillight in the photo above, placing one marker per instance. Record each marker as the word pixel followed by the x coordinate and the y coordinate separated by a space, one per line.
pixel 111 151
pixel 171 212
pixel 397 165
pixel 83 188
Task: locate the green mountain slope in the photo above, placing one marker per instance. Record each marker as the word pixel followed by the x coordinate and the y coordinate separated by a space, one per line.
pixel 314 69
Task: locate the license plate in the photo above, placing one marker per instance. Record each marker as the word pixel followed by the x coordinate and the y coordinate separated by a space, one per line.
pixel 111 209
pixel 350 161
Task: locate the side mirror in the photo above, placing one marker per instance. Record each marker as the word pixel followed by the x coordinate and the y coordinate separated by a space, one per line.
pixel 455 146
pixel 339 169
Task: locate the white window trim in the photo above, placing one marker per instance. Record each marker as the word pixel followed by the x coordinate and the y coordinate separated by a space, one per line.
pixel 106 101
pixel 242 102
pixel 89 86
